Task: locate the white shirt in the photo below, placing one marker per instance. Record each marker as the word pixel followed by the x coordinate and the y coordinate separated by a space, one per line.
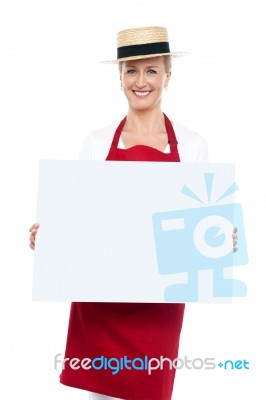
pixel 191 146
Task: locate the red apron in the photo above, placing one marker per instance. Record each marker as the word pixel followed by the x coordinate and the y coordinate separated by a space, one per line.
pixel 134 330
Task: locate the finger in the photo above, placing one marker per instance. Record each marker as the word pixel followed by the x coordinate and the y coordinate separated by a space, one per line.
pixel 34 226
pixel 32 240
pixel 32 243
pixel 32 236
pixel 34 232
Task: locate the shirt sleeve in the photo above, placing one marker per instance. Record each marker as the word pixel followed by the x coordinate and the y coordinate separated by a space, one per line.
pixel 87 151
pixel 97 144
pixel 200 153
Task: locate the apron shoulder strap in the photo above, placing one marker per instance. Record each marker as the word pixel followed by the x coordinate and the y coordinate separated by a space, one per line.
pixel 171 134
pixel 118 133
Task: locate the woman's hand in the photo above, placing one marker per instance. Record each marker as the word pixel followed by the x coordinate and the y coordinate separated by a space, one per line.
pixel 234 237
pixel 33 231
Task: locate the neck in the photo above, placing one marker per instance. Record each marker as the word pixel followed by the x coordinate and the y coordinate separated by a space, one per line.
pixel 147 123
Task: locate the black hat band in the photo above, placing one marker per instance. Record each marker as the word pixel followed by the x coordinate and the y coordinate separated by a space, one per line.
pixel 143 49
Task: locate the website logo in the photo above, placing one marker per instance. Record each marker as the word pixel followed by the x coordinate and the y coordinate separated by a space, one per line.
pixel 147 364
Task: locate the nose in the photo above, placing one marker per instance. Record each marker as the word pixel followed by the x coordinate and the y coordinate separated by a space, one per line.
pixel 141 81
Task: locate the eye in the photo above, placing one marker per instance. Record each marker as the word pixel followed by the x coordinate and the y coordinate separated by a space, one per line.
pixel 151 71
pixel 131 71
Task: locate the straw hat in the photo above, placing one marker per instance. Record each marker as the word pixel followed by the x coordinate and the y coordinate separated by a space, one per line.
pixel 147 42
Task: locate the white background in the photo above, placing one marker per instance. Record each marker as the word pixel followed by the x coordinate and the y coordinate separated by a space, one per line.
pixel 53 91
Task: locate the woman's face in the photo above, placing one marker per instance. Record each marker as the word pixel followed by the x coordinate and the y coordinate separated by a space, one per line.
pixel 143 82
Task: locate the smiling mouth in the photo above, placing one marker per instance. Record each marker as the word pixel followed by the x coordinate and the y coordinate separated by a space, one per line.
pixel 141 93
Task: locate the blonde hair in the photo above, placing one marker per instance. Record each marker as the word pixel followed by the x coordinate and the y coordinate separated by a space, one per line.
pixel 167 63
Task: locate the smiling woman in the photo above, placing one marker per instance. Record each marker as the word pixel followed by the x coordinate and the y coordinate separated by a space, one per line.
pixel 133 330
pixel 145 134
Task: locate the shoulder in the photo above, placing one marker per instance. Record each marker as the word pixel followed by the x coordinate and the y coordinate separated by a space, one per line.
pixel 101 135
pixel 192 146
pixel 97 143
pixel 185 135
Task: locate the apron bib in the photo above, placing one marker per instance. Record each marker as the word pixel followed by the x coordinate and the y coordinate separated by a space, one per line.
pixel 142 152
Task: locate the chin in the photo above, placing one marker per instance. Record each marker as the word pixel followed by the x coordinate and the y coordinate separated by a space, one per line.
pixel 142 109
pixel 141 105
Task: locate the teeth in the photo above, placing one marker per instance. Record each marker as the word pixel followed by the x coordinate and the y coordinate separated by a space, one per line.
pixel 142 94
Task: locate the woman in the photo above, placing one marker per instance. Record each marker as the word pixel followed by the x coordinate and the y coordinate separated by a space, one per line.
pixel 133 329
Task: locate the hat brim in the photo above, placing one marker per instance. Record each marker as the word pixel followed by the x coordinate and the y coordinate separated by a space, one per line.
pixel 174 55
